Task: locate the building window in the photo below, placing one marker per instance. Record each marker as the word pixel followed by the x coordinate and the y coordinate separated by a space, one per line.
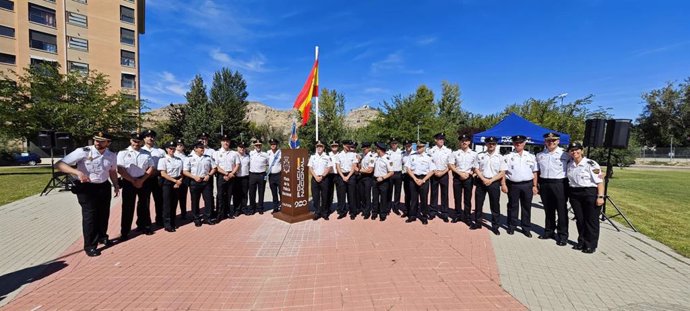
pixel 126 14
pixel 41 15
pixel 127 36
pixel 78 67
pixel 42 41
pixel 80 1
pixel 36 61
pixel 6 31
pixel 7 5
pixel 130 1
pixel 129 81
pixel 77 19
pixel 8 59
pixel 78 43
pixel 127 58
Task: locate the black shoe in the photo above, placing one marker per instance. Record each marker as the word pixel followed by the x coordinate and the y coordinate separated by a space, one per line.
pixel 210 222
pixel 396 211
pixel 229 216
pixel 589 250
pixel 123 237
pixel 183 215
pixel 238 213
pixel 353 217
pixel 373 216
pixel 475 226
pixel 197 222
pixel 432 216
pixel 561 243
pixel 325 217
pixel 527 233
pixel 404 214
pixel 424 221
pixel 92 252
pixel 545 236
pixel 366 216
pixel 148 231
pixel 261 212
pixel 169 229
pixel 455 220
pixel 443 217
pixel 383 217
pixel 341 216
pixel 578 247
pixel 510 231
pixel 495 230
pixel 316 217
pixel 411 219
pixel 106 242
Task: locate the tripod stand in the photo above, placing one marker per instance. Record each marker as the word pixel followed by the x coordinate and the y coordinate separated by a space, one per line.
pixel 607 197
pixel 58 180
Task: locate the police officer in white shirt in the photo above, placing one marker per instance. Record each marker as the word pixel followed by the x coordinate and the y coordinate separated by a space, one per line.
pixel 274 169
pixel 239 197
pixel 520 182
pixel 153 182
pixel 332 176
pixel 460 164
pixel 346 167
pixel 135 166
pixel 420 168
pixel 258 164
pixel 395 156
pixel 383 171
pixel 553 184
pixel 366 179
pixel 170 168
pixel 319 166
pixel 406 179
pixel 439 153
pixel 203 138
pixel 227 163
pixel 94 165
pixel 200 169
pixel 586 197
pixel 184 188
pixel 489 166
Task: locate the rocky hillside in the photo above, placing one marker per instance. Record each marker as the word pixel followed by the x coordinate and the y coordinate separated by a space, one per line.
pixel 280 119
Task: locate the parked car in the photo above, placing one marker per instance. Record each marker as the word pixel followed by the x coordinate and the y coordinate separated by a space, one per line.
pixel 26 158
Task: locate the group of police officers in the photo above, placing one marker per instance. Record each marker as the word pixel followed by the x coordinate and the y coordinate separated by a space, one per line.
pixel 412 183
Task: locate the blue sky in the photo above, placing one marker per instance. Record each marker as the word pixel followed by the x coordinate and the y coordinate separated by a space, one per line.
pixel 499 52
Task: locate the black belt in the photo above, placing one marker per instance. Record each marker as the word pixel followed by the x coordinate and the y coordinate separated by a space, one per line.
pixel 420 176
pixel 274 174
pixel 518 182
pixel 552 180
pixel 256 173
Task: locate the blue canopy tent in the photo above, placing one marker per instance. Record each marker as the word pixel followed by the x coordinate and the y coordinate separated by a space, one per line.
pixel 514 124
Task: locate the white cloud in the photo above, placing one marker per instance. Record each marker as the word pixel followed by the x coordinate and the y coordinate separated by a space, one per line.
pixel 165 84
pixel 255 64
pixel 426 40
pixel 393 62
pixel 376 90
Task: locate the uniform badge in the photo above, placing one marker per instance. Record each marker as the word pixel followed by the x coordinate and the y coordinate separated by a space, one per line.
pixel 596 171
pixel 391 163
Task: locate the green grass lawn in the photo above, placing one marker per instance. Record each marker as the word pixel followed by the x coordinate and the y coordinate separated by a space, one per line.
pixel 21 182
pixel 655 202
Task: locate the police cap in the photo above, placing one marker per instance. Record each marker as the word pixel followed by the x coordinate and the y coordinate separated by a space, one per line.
pixel 518 138
pixel 319 143
pixel 135 135
pixel 491 140
pixel 170 144
pixel 147 133
pixel 464 136
pixel 102 136
pixel 225 137
pixel 551 136
pixel 440 136
pixel 381 146
pixel 179 141
pixel 574 146
pixel 273 141
pixel 202 135
pixel 366 144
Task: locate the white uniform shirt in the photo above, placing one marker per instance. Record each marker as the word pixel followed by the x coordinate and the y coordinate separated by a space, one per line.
pixel 274 161
pixel 134 162
pixel 490 164
pixel 319 163
pixel 382 166
pixel 440 157
pixel 368 160
pixel 244 165
pixel 334 161
pixel 226 159
pixel 396 159
pixel 347 160
pixel 463 160
pixel 181 155
pixel 585 174
pixel 92 163
pixel 405 157
pixel 199 166
pixel 156 154
pixel 258 161
pixel 171 165
pixel 420 163
pixel 553 165
pixel 521 167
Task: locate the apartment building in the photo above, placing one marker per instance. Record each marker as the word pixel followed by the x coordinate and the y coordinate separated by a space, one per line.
pixel 80 35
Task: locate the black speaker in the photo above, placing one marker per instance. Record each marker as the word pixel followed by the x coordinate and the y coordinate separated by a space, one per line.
pixel 46 139
pixel 594 133
pixel 62 140
pixel 617 133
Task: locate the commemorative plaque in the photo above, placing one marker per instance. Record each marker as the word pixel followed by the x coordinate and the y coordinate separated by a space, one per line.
pixel 294 194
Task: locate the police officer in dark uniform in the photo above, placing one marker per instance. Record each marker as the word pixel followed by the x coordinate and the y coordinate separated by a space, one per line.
pixel 420 168
pixel 406 179
pixel 586 197
pixel 200 169
pixel 239 196
pixel 346 166
pixel 274 169
pixel 553 186
pixel 396 181
pixel 520 182
pixel 184 187
pixel 94 165
pixel 383 171
pixel 490 166
pixel 154 182
pixel 135 166
pixel 170 168
pixel 440 154
pixel 319 168
pixel 258 164
pixel 227 163
pixel 366 178
pixel 460 164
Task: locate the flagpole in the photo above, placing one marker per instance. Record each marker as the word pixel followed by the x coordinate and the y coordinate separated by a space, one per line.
pixel 316 98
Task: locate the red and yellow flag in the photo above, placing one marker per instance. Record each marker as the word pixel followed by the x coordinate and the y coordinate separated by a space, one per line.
pixel 309 91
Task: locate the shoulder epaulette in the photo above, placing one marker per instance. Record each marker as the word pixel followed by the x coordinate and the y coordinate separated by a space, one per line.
pixel 86 149
pixel 590 162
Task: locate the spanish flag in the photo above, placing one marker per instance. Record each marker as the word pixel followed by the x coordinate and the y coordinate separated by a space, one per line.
pixel 309 91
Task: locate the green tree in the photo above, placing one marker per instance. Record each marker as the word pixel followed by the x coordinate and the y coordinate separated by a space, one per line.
pixel 229 102
pixel 452 119
pixel 666 116
pixel 401 116
pixel 331 115
pixel 78 103
pixel 197 113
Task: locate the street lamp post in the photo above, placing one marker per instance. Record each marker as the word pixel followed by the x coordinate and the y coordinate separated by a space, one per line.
pixel 418 130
